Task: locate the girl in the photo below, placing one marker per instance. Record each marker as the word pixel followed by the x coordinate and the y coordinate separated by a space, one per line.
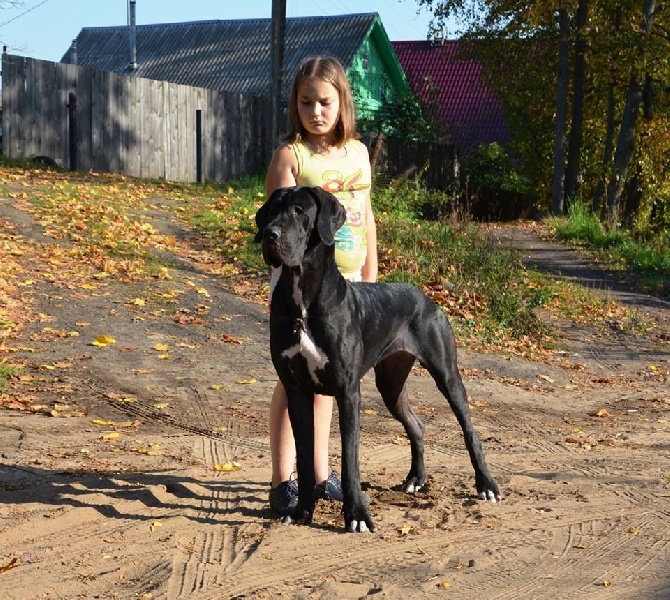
pixel 322 150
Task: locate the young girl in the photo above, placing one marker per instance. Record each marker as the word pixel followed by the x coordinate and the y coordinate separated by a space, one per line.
pixel 322 150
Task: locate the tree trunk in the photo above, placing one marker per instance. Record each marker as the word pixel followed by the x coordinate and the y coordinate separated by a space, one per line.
pixel 626 140
pixel 576 128
pixel 599 197
pixel 557 206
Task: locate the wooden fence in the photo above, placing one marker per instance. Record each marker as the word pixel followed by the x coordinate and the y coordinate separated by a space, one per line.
pixel 124 124
pixel 85 119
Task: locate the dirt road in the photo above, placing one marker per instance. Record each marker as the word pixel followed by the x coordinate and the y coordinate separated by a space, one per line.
pixel 139 467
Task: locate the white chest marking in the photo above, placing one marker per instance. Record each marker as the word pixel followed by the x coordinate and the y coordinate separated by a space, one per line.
pixel 315 357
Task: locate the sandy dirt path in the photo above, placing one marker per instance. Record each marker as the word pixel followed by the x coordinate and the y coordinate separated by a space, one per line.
pixel 116 482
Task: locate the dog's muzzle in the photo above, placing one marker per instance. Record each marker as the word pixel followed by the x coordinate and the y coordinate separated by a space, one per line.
pixel 271 246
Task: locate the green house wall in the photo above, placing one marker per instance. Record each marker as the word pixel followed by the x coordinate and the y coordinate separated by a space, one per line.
pixel 375 74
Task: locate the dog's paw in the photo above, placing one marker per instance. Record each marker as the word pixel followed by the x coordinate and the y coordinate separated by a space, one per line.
pixel 299 517
pixel 487 488
pixel 360 527
pixel 411 486
pixel 358 521
pixel 490 496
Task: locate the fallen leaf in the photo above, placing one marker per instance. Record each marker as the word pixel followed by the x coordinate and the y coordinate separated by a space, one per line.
pixel 160 405
pixel 217 387
pixel 112 435
pixel 161 347
pixel 226 467
pixel 600 413
pixel 229 339
pixel 155 525
pixel 14 562
pixel 103 340
pixel 101 422
pixel 246 381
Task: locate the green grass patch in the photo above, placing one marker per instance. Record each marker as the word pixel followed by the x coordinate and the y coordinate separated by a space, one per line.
pixel 6 373
pixel 647 260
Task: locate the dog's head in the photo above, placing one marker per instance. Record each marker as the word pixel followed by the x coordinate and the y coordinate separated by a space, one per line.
pixel 294 220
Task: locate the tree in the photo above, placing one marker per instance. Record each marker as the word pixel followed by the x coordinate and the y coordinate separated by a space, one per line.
pixel 618 69
pixel 626 141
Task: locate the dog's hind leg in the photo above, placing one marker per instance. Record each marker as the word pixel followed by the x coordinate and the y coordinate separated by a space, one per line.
pixel 390 377
pixel 441 364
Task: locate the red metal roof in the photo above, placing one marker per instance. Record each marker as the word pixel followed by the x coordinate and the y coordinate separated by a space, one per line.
pixel 470 108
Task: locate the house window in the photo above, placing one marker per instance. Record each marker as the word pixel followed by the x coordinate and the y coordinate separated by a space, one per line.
pixel 365 61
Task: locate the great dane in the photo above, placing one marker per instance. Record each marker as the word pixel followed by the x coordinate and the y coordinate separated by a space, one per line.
pixel 326 333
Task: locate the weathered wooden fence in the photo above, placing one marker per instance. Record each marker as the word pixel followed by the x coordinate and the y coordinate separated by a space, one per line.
pixel 124 124
pixel 86 119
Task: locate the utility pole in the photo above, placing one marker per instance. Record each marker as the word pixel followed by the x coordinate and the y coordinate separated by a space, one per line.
pixel 277 60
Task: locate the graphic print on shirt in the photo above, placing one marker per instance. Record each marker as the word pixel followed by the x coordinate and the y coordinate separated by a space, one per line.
pixel 348 237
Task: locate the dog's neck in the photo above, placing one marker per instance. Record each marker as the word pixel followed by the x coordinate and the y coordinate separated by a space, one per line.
pixel 306 288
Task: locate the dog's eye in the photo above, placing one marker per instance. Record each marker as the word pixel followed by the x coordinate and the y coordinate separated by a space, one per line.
pixel 299 210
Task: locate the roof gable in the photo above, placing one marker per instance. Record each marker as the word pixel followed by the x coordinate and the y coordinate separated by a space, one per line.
pixel 470 108
pixel 227 55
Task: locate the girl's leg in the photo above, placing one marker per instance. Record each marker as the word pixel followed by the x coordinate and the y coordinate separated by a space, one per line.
pixel 323 413
pixel 282 445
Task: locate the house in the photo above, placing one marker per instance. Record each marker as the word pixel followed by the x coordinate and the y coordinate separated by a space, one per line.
pixel 454 87
pixel 234 56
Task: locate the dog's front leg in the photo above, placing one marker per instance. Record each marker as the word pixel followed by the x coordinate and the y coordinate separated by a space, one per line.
pixel 356 515
pixel 301 414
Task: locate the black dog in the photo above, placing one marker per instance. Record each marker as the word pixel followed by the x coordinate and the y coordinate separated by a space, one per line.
pixel 325 333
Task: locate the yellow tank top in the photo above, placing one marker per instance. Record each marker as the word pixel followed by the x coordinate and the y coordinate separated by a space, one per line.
pixel 350 183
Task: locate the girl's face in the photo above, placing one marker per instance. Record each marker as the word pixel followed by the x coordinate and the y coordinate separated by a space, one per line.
pixel 318 106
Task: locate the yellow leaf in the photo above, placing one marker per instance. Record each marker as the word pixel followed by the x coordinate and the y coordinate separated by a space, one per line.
pixel 217 387
pixel 203 292
pixel 405 529
pixel 546 378
pixel 160 405
pixel 163 356
pixel 607 583
pixel 103 340
pixel 246 381
pixel 369 411
pixel 600 413
pixel 72 334
pixel 112 435
pixel 226 467
pixel 139 302
pixel 161 347
pixel 155 525
pixel 128 400
pixel 444 584
pixel 101 422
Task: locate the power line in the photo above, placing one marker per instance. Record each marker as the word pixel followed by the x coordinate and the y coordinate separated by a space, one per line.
pixel 25 12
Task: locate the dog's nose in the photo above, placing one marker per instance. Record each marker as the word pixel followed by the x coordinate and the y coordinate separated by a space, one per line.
pixel 271 233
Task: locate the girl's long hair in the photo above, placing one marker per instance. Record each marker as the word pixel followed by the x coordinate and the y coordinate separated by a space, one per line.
pixel 330 70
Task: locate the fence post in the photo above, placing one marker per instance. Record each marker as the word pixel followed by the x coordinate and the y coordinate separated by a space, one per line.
pixel 72 129
pixel 198 145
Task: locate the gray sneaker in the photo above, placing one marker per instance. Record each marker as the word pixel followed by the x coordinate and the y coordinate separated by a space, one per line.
pixel 284 497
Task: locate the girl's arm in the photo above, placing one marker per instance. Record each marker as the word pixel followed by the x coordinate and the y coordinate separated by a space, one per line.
pixel 369 272
pixel 282 171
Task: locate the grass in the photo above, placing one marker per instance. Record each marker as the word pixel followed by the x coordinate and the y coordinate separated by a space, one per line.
pixel 105 222
pixel 648 260
pixel 6 373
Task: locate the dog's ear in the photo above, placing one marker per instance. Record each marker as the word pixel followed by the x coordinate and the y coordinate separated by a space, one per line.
pixel 265 213
pixel 331 215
